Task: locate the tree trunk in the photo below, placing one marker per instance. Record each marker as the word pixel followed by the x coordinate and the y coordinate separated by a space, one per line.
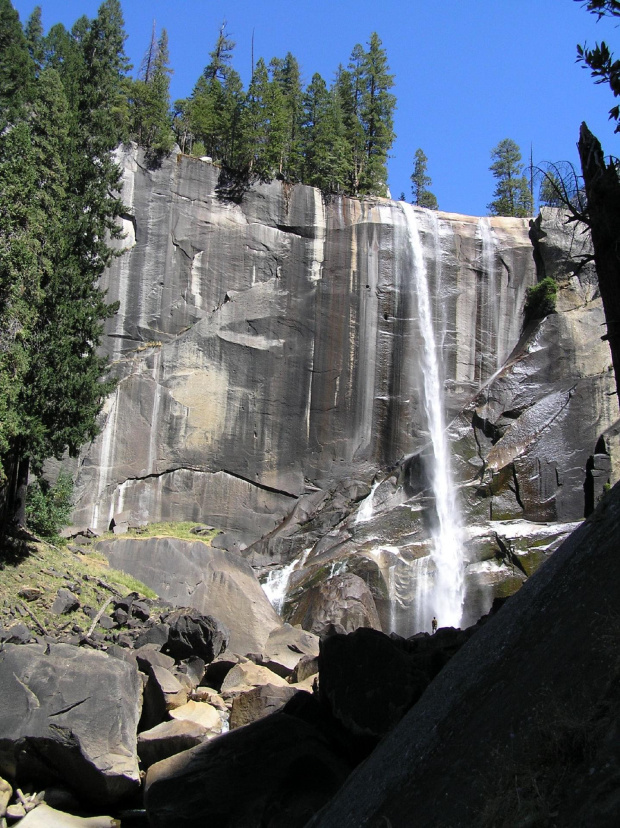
pixel 20 491
pixel 603 210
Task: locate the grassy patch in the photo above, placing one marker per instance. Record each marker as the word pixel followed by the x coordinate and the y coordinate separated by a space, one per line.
pixel 166 530
pixel 44 568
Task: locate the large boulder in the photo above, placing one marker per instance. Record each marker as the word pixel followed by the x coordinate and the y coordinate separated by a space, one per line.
pixel 192 574
pixel 69 714
pixel 259 702
pixel 169 738
pixel 192 634
pixel 285 646
pixel 244 676
pixel 43 816
pixel 340 604
pixel 277 771
pixel 368 681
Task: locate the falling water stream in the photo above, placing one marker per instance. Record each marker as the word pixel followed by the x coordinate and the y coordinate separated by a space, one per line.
pixel 443 596
pixel 275 585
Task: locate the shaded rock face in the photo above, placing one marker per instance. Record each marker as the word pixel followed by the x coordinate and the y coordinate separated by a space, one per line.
pixel 297 773
pixel 214 582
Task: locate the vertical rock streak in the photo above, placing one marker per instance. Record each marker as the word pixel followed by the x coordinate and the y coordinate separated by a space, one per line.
pixel 106 461
pixel 447 592
pixel 489 322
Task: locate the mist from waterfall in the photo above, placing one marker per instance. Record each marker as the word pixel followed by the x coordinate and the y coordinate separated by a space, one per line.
pixel 444 594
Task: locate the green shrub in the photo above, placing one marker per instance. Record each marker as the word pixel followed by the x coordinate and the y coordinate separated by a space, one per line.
pixel 48 508
pixel 540 299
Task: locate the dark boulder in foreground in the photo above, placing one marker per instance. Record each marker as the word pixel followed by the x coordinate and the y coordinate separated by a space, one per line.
pixel 520 728
pixel 277 771
pixel 368 681
pixel 69 714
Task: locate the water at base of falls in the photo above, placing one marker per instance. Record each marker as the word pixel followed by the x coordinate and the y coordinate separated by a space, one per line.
pixel 442 594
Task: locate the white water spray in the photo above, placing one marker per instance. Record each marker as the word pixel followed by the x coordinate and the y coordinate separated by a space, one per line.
pixel 445 599
pixel 275 586
pixel 367 507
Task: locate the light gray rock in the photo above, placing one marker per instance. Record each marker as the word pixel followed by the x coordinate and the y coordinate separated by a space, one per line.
pixel 200 713
pixel 169 738
pixel 69 714
pixel 43 816
pixel 192 574
pixel 6 792
pixel 285 646
pixel 246 369
pixel 257 703
pixel 243 677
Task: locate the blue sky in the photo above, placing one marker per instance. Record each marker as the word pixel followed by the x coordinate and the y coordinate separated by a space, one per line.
pixel 468 73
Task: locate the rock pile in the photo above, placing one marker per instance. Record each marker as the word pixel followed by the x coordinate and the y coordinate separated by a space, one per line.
pixel 85 723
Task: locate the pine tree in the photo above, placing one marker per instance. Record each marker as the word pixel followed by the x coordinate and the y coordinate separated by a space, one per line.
pixel 551 193
pixel 63 51
pixel 422 197
pixel 34 38
pixel 325 145
pixel 21 235
pixel 255 123
pixel 349 92
pixel 377 117
pixel 17 69
pixel 211 115
pixel 286 75
pixel 150 99
pixel 512 193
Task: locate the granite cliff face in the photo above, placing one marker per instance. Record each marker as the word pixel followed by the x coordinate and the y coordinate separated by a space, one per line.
pixel 268 355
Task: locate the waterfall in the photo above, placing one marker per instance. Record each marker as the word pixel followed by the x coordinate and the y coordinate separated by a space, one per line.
pixel 445 595
pixel 366 509
pixel 275 585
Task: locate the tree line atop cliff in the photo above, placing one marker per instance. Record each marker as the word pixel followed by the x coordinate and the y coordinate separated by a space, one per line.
pixel 336 137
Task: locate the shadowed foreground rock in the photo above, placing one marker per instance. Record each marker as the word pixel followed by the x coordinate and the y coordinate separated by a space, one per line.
pixel 277 772
pixel 69 714
pixel 520 726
